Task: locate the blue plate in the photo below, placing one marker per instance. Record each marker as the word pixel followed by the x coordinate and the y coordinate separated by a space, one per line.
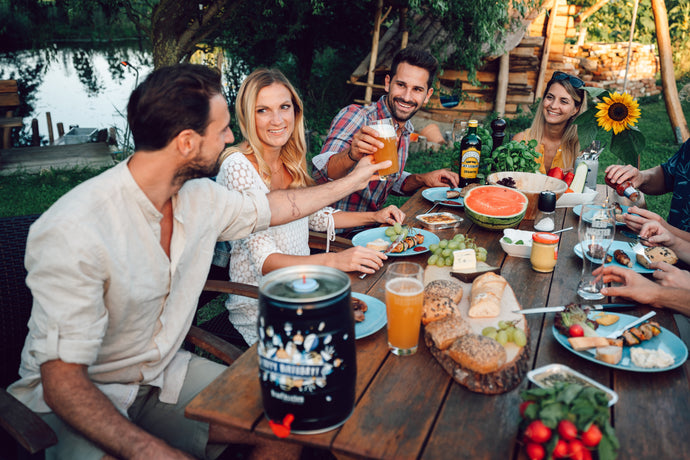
pixel 362 238
pixel 578 209
pixel 374 318
pixel 624 247
pixel 439 194
pixel 666 341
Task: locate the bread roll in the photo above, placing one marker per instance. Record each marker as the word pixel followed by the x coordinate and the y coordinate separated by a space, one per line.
pixel 443 333
pixel 610 354
pixel 436 309
pixel 444 288
pixel 477 353
pixel 487 291
pixel 657 254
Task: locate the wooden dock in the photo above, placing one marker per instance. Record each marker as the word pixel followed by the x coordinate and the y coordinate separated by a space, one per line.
pixel 36 159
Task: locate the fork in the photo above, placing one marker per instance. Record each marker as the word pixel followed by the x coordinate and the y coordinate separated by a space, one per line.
pixel 637 248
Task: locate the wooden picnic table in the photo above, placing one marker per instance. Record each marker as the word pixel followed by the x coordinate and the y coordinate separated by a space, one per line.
pixel 410 408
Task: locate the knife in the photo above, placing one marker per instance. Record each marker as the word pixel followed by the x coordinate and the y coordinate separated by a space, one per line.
pixel 617 333
pixel 604 306
pixel 396 241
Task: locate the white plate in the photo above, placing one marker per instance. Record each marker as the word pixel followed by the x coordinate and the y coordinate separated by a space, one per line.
pixel 568 200
pixel 439 194
pixel 374 318
pixel 362 238
pixel 578 209
pixel 666 341
pixel 618 245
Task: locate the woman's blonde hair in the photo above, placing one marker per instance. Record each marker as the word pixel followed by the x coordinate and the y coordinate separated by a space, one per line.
pixel 570 145
pixel 293 153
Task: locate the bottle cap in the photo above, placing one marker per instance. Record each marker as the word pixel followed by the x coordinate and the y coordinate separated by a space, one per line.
pixel 473 123
pixel 547 201
pixel 545 237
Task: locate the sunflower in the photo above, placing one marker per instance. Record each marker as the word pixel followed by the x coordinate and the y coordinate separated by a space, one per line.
pixel 619 112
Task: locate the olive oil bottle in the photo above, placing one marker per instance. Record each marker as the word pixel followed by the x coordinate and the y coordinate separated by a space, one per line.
pixel 470 152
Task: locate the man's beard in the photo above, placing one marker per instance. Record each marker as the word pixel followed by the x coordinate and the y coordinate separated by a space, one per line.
pixel 394 110
pixel 195 169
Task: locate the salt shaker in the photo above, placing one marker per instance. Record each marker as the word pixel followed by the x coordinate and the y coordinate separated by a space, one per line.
pixel 545 220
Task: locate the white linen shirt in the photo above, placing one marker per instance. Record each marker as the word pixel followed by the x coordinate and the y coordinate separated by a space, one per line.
pixel 105 293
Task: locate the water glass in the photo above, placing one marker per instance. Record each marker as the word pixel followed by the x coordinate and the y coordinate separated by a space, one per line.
pixel 404 301
pixel 595 232
pixel 387 135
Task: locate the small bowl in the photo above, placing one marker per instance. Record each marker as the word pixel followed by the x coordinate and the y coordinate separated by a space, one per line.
pixel 439 220
pixel 544 376
pixel 531 184
pixel 517 250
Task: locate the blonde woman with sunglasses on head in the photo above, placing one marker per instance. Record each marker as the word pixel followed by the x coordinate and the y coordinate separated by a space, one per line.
pixel 564 99
pixel 272 157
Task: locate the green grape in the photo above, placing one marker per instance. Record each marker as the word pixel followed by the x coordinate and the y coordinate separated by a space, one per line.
pixel 459 237
pixel 405 231
pixel 502 337
pixel 393 237
pixel 433 247
pixel 510 333
pixel 452 244
pixel 461 245
pixel 443 244
pixel 490 331
pixel 519 338
pixel 449 261
pixel 390 231
pixel 447 252
pixel 438 251
pixel 481 257
pixel 503 324
pixel 432 259
pixel 440 262
pixel 397 228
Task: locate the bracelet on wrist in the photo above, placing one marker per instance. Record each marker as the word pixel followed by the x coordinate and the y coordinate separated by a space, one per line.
pixel 349 155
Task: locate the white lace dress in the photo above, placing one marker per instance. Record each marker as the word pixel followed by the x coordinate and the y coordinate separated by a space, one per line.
pixel 248 255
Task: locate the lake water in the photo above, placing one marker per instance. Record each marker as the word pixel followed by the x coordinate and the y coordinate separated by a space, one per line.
pixel 83 87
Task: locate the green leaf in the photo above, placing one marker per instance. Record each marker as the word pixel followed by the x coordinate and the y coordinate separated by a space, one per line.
pixel 551 414
pixel 587 128
pixel 628 145
pixel 595 92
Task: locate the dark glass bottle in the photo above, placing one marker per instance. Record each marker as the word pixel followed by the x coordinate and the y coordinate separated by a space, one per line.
pixel 470 153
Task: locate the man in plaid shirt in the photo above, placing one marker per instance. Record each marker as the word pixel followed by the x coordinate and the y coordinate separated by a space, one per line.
pixel 408 88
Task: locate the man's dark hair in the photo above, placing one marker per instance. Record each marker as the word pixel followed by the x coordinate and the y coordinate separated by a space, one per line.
pixel 418 57
pixel 170 100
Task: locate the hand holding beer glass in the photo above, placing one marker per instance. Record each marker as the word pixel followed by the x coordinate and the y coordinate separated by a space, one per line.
pixel 404 301
pixel 386 134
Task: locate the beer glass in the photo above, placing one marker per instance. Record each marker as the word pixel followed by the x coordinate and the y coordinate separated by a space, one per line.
pixel 386 134
pixel 404 301
pixel 459 130
pixel 595 231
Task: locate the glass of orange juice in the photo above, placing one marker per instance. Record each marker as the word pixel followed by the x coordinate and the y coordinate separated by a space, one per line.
pixel 404 300
pixel 386 134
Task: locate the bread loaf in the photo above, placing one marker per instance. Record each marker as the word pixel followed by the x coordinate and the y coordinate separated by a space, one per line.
pixel 486 295
pixel 477 353
pixel 444 288
pixel 657 254
pixel 610 354
pixel 443 333
pixel 378 244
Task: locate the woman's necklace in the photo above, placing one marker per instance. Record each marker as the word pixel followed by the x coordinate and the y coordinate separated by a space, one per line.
pixel 277 177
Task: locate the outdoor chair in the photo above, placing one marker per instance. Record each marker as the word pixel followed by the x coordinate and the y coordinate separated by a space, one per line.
pixel 23 433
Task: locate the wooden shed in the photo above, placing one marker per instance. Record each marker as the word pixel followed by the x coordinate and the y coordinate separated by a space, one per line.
pixel 515 80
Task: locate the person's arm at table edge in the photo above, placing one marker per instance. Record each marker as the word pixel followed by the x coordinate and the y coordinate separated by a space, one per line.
pixel 292 204
pixel 341 163
pixel 653 181
pixel 70 393
pixel 436 178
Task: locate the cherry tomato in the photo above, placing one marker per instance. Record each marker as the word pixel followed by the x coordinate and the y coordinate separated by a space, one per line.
pixel 568 178
pixel 576 449
pixel 556 172
pixel 538 432
pixel 576 331
pixel 560 450
pixel 567 430
pixel 535 451
pixel 523 406
pixel 592 436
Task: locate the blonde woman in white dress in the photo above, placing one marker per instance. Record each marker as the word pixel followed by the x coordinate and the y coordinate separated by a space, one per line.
pixel 273 156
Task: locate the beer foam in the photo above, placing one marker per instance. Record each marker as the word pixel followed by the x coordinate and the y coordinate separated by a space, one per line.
pixel 385 131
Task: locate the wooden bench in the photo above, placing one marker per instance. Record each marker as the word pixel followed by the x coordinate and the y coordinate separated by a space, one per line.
pixel 9 101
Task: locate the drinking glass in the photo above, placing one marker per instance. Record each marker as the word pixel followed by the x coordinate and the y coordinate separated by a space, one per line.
pixel 459 130
pixel 404 301
pixel 595 231
pixel 386 134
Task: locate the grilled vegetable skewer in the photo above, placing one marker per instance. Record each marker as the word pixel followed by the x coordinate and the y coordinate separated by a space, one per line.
pixel 622 258
pixel 408 242
pixel 641 333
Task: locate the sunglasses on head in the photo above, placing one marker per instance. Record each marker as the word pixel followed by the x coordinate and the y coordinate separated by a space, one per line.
pixel 560 76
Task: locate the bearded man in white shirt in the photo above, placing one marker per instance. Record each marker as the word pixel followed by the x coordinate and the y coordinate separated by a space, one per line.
pixel 116 267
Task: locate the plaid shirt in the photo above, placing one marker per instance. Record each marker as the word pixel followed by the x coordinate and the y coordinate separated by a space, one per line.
pixel 343 128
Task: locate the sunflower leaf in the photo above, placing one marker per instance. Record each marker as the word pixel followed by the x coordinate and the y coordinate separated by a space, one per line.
pixel 628 145
pixel 595 92
pixel 587 128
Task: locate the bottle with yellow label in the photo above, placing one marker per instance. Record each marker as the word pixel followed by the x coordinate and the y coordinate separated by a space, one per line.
pixel 470 152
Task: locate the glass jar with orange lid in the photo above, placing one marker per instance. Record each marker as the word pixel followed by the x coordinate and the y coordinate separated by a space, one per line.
pixel 544 251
